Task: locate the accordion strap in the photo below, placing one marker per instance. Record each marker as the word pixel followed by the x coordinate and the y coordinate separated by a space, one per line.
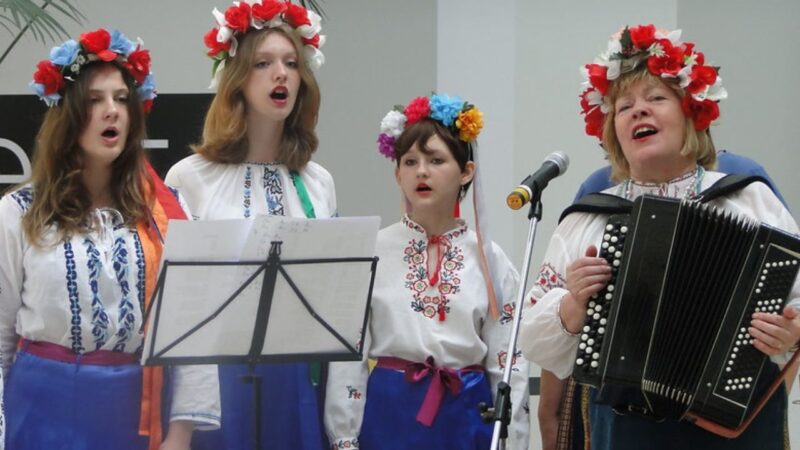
pixel 788 371
pixel 600 203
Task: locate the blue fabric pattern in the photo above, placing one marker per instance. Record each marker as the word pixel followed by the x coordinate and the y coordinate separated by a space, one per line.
pixel 23 197
pixel 248 190
pixel 99 316
pixel 126 317
pixel 74 304
pixel 273 190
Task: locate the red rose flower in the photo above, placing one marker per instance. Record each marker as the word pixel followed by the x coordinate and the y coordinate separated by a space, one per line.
pixel 643 36
pixel 215 46
pixel 702 76
pixel 47 74
pixel 417 109
pixel 238 17
pixel 97 42
pixel 268 9
pixel 598 77
pixel 701 113
pixel 296 15
pixel 669 63
pixel 594 123
pixel 138 64
pixel 314 42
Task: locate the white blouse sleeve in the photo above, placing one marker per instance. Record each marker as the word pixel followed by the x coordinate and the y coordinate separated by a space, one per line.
pixel 542 337
pixel 345 398
pixel 496 333
pixel 12 246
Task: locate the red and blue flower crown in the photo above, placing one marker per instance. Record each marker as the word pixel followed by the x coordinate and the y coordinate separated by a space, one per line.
pixel 67 60
pixel 665 56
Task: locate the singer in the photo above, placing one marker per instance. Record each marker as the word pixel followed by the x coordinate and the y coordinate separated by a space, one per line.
pixel 650 100
pixel 437 329
pixel 255 158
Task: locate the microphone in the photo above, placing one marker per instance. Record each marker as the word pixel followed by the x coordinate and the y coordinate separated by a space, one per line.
pixel 554 165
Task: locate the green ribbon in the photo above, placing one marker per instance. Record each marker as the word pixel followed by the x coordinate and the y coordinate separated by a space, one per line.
pixel 314 368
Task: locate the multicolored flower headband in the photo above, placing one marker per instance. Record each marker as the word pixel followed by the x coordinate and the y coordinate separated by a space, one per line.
pixel 462 118
pixel 67 60
pixel 665 56
pixel 242 16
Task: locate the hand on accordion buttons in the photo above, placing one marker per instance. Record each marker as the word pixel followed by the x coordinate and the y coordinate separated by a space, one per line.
pixel 586 276
pixel 774 334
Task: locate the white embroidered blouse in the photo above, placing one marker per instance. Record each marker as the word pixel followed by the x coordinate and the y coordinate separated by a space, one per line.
pixel 86 293
pixel 405 323
pixel 542 338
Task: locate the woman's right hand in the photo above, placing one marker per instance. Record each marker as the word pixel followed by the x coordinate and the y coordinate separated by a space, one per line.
pixel 586 276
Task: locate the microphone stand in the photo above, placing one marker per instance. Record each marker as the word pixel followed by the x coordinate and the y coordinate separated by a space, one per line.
pixel 501 413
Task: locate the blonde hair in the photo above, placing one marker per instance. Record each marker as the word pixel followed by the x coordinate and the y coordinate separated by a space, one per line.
pixel 225 129
pixel 59 195
pixel 697 143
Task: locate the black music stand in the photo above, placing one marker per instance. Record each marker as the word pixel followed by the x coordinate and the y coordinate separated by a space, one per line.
pixel 184 347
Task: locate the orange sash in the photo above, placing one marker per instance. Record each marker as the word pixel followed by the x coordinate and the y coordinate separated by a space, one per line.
pixel 165 207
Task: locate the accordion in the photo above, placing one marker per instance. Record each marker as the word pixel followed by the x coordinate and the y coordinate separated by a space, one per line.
pixel 672 322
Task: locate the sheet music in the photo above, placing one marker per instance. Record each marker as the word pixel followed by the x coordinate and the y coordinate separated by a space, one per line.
pixel 337 292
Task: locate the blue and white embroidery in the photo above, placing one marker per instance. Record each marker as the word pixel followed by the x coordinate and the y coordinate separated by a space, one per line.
pixel 99 316
pixel 273 190
pixel 126 316
pixel 23 197
pixel 74 305
pixel 248 190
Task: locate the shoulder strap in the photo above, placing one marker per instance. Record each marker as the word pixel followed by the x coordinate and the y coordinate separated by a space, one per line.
pixel 726 185
pixel 599 203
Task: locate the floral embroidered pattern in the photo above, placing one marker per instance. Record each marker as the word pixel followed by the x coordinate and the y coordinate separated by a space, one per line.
pixel 140 272
pixel 342 443
pixel 426 301
pixel 99 316
pixel 74 305
pixel 353 393
pixel 507 314
pixel 273 190
pixel 501 360
pixel 248 190
pixel 126 316
pixel 549 278
pixel 23 197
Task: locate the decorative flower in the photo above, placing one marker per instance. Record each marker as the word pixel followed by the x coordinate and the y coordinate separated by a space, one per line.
pixel 238 16
pixel 445 109
pixel 138 65
pixel 65 54
pixel 386 146
pixel 67 59
pixel 664 56
pixel 120 44
pixel 98 42
pixel 393 123
pixel 48 75
pixel 296 15
pixel 469 124
pixel 417 109
pixel 215 47
pixel 268 9
pixel 429 311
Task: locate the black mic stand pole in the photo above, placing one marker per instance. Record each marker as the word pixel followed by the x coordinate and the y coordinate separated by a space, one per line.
pixel 501 413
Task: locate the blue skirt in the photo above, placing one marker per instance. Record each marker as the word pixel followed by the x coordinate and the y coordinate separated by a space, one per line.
pixel 291 417
pixel 54 405
pixel 392 404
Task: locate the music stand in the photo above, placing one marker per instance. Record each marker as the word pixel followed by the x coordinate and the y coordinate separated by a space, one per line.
pixel 272 310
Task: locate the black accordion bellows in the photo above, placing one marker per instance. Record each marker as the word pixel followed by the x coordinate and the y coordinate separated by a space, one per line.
pixel 672 322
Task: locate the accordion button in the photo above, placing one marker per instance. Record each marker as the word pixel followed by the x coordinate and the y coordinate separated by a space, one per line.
pixel 616 263
pixel 584 336
pixel 594 364
pixel 612 249
pixel 590 311
pixel 603 321
pixel 587 329
pixel 605 245
pixel 596 356
pixel 590 342
pixel 582 345
pixel 596 316
pixel 610 288
pixel 606 237
pixel 601 330
pixel 589 350
pixel 624 229
pixel 609 227
pixel 579 361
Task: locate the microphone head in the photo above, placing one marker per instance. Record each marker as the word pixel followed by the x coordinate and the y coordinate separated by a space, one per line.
pixel 560 159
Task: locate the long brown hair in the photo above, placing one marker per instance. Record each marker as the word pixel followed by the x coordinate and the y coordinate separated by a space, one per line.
pixel 697 143
pixel 59 196
pixel 225 129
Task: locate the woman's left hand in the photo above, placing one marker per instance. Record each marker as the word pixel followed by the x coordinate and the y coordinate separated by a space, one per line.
pixel 774 334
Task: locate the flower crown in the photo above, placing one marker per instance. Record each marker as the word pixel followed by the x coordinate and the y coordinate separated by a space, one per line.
pixel 66 61
pixel 241 17
pixel 665 56
pixel 460 117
